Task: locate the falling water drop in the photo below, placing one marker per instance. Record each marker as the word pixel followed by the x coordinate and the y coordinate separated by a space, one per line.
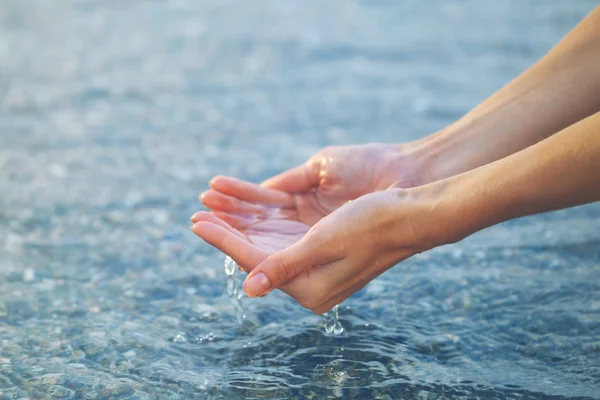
pixel 234 292
pixel 332 322
pixel 229 266
pixel 233 288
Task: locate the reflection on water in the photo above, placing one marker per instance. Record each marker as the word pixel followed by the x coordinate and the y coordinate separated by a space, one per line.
pixel 113 117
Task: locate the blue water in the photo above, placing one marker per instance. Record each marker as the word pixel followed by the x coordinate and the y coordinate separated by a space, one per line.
pixel 115 114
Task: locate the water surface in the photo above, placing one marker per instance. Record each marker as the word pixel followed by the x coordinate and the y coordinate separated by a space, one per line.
pixel 115 114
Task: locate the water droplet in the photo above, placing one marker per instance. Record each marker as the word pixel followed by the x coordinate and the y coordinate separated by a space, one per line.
pixel 29 275
pixel 180 338
pixel 332 322
pixel 229 266
pixel 234 292
pixel 207 338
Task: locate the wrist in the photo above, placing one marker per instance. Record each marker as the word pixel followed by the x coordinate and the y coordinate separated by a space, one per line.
pixel 448 152
pixel 401 166
pixel 448 210
pixel 428 214
pixel 469 143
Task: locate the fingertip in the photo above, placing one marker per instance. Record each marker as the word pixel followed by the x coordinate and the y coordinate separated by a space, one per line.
pixel 209 198
pixel 299 179
pixel 269 274
pixel 219 180
pixel 201 227
pixel 257 284
pixel 199 216
pixel 203 196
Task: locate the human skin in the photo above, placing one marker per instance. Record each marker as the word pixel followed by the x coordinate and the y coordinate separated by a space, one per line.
pixel 331 178
pixel 559 90
pixel 360 240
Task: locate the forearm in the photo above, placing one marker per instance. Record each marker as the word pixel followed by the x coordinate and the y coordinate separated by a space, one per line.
pixel 559 90
pixel 561 171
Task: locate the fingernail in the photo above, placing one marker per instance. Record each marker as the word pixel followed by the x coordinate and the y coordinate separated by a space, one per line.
pixel 257 285
pixel 193 217
pixel 193 228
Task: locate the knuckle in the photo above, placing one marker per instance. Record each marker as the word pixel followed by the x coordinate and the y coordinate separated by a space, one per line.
pixel 284 271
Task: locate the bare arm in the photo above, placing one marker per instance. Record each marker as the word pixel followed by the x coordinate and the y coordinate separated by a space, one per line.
pixel 360 240
pixel 559 90
pixel 559 172
pixel 503 160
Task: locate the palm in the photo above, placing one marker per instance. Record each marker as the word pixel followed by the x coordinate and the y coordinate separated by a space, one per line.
pixel 249 222
pixel 270 235
pixel 250 215
pixel 248 240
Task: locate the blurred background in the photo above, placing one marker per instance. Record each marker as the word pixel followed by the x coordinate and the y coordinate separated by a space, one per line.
pixel 115 114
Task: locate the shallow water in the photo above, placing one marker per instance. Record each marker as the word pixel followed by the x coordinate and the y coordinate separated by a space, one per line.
pixel 114 115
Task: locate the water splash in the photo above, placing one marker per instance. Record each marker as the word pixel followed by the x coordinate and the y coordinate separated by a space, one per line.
pixel 234 291
pixel 229 266
pixel 332 322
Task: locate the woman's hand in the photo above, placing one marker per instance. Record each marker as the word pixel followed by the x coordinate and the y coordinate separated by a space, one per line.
pixel 331 178
pixel 321 266
pixel 512 171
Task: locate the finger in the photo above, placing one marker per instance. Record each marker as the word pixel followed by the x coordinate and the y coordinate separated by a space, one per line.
pixel 302 178
pixel 244 253
pixel 286 264
pixel 251 192
pixel 214 219
pixel 218 201
pixel 235 220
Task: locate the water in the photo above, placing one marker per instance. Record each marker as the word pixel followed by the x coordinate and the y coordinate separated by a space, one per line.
pixel 233 289
pixel 113 117
pixel 333 323
pixel 236 294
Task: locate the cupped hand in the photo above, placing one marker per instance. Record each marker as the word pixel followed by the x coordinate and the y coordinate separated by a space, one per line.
pixel 329 179
pixel 322 265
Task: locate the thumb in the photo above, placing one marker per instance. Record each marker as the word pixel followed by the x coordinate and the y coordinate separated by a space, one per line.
pixel 302 178
pixel 283 266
